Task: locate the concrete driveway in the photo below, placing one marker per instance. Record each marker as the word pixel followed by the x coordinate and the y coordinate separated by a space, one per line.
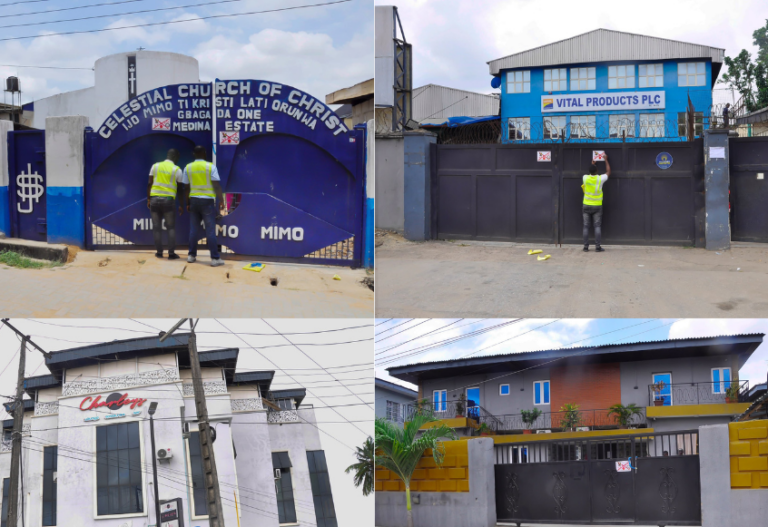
pixel 491 279
pixel 136 284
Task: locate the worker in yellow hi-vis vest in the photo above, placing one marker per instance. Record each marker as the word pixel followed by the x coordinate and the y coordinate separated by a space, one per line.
pixel 201 181
pixel 592 210
pixel 164 179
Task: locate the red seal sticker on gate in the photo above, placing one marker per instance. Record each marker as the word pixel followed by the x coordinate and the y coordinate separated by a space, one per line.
pixel 544 155
pixel 598 155
pixel 161 123
pixel 623 466
pixel 229 138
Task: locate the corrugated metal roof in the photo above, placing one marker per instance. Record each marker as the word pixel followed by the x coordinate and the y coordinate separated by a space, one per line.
pixel 433 102
pixel 602 45
pixel 386 385
pixel 562 352
pixel 65 358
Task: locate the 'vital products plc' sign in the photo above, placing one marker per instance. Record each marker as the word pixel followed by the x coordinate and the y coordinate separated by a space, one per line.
pixel 586 102
pixel 114 401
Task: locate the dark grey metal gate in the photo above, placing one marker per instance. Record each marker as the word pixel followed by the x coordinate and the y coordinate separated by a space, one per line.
pixel 749 191
pixel 578 481
pixel 503 193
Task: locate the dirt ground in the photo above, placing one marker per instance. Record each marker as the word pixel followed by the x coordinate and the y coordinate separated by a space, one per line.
pixel 479 279
pixel 135 283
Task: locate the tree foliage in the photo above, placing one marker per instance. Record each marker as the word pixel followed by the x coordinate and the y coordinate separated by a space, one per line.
pixel 748 77
pixel 364 467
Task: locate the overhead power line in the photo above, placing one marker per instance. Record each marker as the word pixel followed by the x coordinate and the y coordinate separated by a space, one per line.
pixel 23 2
pixel 114 15
pixel 42 67
pixel 168 22
pixel 29 13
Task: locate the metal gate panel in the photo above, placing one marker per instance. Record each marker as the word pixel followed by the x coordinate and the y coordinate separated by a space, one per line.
pixel 668 490
pixel 612 493
pixel 748 157
pixel 27 188
pixel 502 193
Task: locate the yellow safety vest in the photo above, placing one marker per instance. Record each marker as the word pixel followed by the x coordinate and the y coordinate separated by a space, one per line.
pixel 164 184
pixel 199 174
pixel 593 192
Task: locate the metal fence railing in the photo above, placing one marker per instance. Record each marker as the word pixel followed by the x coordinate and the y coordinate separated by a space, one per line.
pixel 687 393
pixel 568 421
pixel 663 444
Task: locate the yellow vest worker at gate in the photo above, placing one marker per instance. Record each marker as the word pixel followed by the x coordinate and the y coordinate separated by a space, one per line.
pixel 201 182
pixel 164 179
pixel 592 208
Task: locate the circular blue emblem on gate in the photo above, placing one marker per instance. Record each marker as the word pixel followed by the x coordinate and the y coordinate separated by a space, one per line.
pixel 496 82
pixel 664 160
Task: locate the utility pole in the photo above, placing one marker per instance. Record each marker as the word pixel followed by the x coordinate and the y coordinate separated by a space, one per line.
pixel 18 421
pixel 215 512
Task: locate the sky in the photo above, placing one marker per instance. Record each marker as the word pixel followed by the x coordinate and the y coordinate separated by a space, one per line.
pixel 454 39
pixel 400 341
pixel 318 50
pixel 351 363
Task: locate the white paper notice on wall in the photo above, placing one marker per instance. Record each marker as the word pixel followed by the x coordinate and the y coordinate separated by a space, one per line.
pixel 717 152
pixel 598 155
pixel 544 155
pixel 623 466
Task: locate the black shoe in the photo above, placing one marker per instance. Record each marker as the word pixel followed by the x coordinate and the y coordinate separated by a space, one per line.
pixel 173 256
pixel 599 249
pixel 586 248
pixel 158 255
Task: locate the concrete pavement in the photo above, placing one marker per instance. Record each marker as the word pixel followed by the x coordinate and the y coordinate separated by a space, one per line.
pixel 488 279
pixel 136 284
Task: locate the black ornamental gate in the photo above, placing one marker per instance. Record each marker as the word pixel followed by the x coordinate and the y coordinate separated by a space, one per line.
pixel 531 193
pixel 650 479
pixel 748 164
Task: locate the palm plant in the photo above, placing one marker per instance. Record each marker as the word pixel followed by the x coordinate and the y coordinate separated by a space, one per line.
pixel 364 467
pixel 624 414
pixel 529 417
pixel 571 416
pixel 400 449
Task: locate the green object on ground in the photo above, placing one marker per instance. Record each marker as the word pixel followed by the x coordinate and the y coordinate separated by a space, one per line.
pixel 14 259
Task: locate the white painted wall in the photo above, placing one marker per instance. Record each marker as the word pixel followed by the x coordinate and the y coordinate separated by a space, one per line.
pixel 153 69
pixel 64 147
pixel 5 127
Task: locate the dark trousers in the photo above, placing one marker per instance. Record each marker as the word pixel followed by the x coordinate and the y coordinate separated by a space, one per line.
pixel 203 210
pixel 592 215
pixel 163 208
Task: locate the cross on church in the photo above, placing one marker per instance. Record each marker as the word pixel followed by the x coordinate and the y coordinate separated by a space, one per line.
pixel 132 79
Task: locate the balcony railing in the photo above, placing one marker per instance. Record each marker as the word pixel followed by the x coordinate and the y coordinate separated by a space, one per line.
pixel 683 393
pixel 563 421
pixel 452 409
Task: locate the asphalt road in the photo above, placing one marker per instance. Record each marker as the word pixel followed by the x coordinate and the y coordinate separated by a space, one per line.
pixel 481 279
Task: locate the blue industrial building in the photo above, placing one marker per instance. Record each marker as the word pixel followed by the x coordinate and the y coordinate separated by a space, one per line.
pixel 606 85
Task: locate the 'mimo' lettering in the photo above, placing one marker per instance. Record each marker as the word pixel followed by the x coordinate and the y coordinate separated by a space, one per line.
pixel 273 232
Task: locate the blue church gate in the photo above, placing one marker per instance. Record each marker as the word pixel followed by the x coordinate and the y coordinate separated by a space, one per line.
pixel 27 184
pixel 295 173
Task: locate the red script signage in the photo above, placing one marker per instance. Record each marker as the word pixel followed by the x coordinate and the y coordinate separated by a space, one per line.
pixel 115 401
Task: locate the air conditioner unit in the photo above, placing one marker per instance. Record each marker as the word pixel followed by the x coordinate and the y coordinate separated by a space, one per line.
pixel 277 473
pixel 164 453
pixel 543 431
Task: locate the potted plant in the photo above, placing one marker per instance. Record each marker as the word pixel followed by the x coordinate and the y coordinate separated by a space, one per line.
pixel 461 405
pixel 571 416
pixel 484 429
pixel 657 387
pixel 732 393
pixel 624 414
pixel 424 407
pixel 529 417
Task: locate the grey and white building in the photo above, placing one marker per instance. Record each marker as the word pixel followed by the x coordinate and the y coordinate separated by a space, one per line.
pixel 87 460
pixel 394 402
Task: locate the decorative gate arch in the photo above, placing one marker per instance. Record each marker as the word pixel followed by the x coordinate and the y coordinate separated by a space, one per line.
pixel 295 170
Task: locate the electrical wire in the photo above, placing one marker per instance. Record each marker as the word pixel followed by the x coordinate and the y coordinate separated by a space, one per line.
pixel 195 19
pixel 70 8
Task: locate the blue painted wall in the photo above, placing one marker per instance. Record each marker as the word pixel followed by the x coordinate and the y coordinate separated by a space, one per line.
pixel 66 215
pixel 5 212
pixel 529 104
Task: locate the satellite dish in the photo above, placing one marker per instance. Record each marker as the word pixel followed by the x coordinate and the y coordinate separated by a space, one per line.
pixel 496 82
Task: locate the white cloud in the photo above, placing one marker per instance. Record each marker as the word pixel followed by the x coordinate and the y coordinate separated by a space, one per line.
pixel 308 61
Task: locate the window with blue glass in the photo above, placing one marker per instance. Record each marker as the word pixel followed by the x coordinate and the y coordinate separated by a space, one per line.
pixel 199 490
pixel 118 470
pixel 439 398
pixel 50 460
pixel 325 513
pixel 541 392
pixel 662 390
pixel 503 389
pixel 721 379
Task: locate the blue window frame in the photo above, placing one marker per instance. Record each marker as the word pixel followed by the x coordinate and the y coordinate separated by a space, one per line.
pixel 503 389
pixel 541 392
pixel 721 379
pixel 439 400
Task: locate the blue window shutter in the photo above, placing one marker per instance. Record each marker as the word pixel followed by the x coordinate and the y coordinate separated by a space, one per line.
pixel 546 392
pixel 716 380
pixel 537 392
